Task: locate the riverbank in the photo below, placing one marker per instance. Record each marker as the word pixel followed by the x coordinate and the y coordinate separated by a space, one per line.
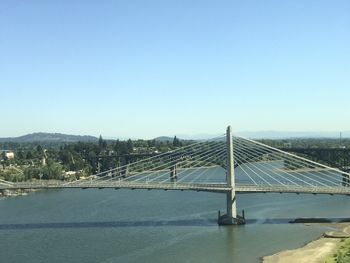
pixel 316 251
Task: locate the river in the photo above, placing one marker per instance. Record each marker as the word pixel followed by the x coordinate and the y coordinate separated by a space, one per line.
pixel 110 225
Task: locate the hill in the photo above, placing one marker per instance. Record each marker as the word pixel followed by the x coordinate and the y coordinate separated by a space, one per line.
pixel 49 137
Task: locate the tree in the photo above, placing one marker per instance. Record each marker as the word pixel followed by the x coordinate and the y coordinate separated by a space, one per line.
pixel 93 161
pixel 52 171
pixel 176 142
pixel 3 159
pixel 3 156
pixel 29 155
pixel 20 154
pixel 102 144
pixel 151 143
pixel 117 147
pixel 129 146
pixel 100 141
pixel 39 150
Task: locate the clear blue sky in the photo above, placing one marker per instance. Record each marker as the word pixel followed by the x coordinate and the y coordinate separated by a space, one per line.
pixel 147 68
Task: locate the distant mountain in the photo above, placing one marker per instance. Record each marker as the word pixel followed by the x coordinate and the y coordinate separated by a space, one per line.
pixel 271 135
pixel 50 138
pixel 290 135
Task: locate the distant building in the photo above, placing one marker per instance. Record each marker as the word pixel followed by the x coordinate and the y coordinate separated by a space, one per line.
pixel 69 174
pixel 8 154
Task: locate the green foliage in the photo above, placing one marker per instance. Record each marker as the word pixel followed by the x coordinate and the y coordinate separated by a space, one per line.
pixel 101 143
pixel 332 152
pixel 176 142
pixel 11 175
pixel 342 255
pixel 3 156
pixel 313 143
pixel 129 146
pixel 32 173
pixel 51 171
pixel 84 158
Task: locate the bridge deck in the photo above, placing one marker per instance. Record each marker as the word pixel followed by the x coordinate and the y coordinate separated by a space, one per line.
pixel 341 190
pixel 221 188
pixel 121 185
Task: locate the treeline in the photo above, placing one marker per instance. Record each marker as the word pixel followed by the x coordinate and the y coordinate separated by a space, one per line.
pixel 332 152
pixel 73 160
pixel 308 143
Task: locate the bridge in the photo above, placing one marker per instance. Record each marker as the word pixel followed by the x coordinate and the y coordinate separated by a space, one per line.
pixel 226 164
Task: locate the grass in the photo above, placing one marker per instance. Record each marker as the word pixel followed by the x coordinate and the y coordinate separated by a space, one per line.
pixel 342 255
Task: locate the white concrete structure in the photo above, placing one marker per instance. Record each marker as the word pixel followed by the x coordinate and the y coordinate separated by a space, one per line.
pixel 231 196
pixel 8 154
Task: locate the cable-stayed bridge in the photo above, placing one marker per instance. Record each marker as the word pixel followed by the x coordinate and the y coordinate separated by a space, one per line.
pixel 226 164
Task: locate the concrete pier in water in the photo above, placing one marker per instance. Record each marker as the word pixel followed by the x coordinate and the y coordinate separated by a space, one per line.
pixel 231 217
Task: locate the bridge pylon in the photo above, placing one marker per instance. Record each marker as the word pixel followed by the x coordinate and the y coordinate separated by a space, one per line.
pixel 231 217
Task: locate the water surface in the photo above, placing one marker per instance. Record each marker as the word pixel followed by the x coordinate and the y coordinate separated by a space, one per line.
pixel 154 226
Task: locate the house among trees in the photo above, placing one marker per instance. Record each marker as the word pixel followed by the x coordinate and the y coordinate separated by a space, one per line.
pixel 6 154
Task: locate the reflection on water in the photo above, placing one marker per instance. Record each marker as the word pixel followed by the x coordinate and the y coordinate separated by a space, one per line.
pixel 116 224
pixel 162 223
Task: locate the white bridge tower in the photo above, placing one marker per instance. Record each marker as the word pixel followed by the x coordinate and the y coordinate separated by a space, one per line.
pixel 231 217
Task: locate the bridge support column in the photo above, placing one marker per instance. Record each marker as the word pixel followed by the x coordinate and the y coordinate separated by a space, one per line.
pixel 231 217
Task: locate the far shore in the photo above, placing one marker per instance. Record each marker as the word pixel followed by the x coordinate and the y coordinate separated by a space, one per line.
pixel 315 251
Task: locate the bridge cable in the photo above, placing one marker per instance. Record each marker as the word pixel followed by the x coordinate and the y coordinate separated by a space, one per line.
pixel 293 165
